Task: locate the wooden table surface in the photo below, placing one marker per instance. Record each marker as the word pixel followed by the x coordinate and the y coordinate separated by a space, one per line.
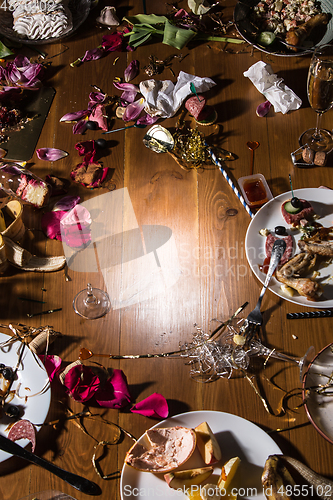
pixel 214 278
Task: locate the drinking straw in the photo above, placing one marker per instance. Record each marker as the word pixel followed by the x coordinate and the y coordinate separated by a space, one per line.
pixel 311 314
pixel 229 181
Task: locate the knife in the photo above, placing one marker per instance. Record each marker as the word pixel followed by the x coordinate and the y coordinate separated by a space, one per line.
pixel 78 482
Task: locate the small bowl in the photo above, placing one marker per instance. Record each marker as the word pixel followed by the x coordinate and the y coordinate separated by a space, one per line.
pixel 255 190
pixel 79 10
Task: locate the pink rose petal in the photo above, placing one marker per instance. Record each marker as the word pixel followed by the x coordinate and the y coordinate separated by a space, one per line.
pixel 115 393
pixel 51 224
pixel 81 383
pixel 98 115
pixel 153 406
pixel 52 364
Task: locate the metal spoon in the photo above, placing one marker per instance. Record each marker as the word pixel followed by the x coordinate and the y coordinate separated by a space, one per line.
pixel 78 482
pixel 252 145
pixel 139 125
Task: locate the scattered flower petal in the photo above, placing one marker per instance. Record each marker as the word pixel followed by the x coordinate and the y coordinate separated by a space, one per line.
pixel 51 154
pixel 75 227
pixel 66 203
pixel 147 119
pixel 153 406
pixel 131 71
pixel 263 109
pixel 51 224
pixel 113 42
pixel 52 364
pixel 133 110
pixel 92 55
pixel 115 393
pixel 98 115
pixel 81 383
pixel 75 116
pixel 80 127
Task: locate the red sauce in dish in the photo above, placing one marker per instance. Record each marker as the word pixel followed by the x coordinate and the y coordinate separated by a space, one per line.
pixel 255 191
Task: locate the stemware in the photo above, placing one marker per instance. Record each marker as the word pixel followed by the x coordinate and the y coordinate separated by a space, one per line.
pixel 258 349
pixel 320 95
pixel 91 303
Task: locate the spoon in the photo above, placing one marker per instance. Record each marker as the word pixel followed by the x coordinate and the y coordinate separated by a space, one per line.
pixel 252 145
pixel 139 125
pixel 78 482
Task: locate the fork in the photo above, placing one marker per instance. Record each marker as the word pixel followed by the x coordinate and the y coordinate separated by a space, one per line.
pixel 254 320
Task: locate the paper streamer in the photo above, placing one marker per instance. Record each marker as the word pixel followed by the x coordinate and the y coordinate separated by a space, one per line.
pixel 229 181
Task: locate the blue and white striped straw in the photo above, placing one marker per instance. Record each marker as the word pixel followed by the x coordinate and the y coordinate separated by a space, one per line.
pixel 229 181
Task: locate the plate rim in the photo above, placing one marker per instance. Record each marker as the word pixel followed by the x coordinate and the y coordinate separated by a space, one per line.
pixel 126 467
pixel 46 394
pixel 298 192
pixel 307 410
pixel 304 52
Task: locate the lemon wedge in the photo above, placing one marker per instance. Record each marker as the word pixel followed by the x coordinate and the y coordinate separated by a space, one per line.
pixel 228 471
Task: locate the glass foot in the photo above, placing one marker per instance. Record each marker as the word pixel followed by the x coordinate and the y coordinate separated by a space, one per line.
pixel 91 303
pixel 317 142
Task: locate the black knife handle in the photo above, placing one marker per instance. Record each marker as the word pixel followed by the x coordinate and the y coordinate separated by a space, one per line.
pixel 78 482
pixel 326 313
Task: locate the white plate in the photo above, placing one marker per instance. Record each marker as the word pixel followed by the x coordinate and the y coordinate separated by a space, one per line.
pixel 269 216
pixel 319 408
pixel 34 393
pixel 236 436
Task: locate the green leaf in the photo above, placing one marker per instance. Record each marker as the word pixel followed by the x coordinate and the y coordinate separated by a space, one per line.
pixel 5 51
pixel 141 41
pixel 176 37
pixel 209 38
pixel 145 19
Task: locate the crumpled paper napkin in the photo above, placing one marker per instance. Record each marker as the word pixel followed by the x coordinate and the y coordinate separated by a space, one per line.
pixel 275 91
pixel 164 98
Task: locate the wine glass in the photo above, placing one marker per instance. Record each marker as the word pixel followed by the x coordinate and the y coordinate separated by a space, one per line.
pixel 320 95
pixel 91 303
pixel 258 349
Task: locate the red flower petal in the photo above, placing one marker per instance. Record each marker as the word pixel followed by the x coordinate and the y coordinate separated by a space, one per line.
pixel 52 364
pixel 115 393
pixel 51 224
pixel 153 406
pixel 81 383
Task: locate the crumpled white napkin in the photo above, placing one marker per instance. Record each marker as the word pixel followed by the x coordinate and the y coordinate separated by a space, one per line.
pixel 275 91
pixel 164 98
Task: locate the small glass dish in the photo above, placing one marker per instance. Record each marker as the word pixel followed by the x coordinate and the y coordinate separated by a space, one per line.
pixel 255 190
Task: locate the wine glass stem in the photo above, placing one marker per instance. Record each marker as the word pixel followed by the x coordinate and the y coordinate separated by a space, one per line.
pixel 91 299
pixel 284 357
pixel 317 132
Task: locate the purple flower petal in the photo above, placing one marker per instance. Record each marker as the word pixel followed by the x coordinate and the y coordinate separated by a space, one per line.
pixel 115 393
pixel 50 154
pixel 154 406
pixel 147 119
pixel 128 87
pixel 96 97
pixel 133 110
pixel 131 71
pixel 129 96
pixel 92 55
pixel 51 224
pixel 263 109
pixel 75 116
pixel 112 42
pixel 80 127
pixel 66 203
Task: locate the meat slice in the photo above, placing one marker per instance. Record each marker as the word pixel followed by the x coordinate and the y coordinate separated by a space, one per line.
pixel 294 219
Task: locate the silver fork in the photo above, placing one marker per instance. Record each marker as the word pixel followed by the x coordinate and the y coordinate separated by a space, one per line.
pixel 254 320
